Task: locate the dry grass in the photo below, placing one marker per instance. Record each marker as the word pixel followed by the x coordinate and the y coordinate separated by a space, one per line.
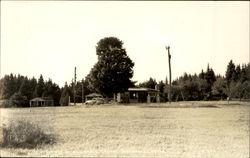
pixel 132 131
pixel 25 134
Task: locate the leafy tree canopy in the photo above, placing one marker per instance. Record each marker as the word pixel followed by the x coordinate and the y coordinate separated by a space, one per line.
pixel 114 69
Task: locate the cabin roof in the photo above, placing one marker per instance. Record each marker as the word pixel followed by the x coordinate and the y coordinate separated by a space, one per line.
pixel 42 99
pixel 142 89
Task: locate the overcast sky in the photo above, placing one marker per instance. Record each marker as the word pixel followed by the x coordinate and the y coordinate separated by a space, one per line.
pixel 52 37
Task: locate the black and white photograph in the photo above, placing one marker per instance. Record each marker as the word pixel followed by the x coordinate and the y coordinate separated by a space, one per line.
pixel 164 79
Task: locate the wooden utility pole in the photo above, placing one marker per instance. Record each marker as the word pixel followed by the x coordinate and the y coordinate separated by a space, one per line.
pixel 169 62
pixel 82 91
pixel 74 89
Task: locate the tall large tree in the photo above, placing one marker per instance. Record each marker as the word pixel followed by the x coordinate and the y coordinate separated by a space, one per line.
pixel 210 78
pixel 64 100
pixel 230 72
pixel 39 87
pixel 114 69
pixel 26 89
pixel 9 86
pixel 245 73
pixel 220 87
pixel 52 91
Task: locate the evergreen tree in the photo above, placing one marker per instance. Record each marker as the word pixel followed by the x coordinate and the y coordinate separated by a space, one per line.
pixel 210 79
pixel 230 72
pixel 151 83
pixel 64 100
pixel 166 87
pixel 9 87
pixel 18 82
pixel 56 94
pixel 1 89
pixel 33 83
pixel 26 89
pixel 244 75
pixel 39 87
pixel 237 73
pixel 48 89
pixel 185 77
pixel 161 86
pixel 52 90
pixel 247 72
pixel 210 76
pixel 202 75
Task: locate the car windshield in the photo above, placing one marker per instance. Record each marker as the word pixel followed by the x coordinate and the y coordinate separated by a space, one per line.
pixel 97 98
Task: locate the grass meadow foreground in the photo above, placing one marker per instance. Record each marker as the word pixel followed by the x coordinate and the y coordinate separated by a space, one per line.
pixel 183 129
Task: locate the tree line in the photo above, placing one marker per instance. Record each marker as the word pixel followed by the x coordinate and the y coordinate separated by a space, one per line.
pixel 113 73
pixel 206 85
pixel 18 90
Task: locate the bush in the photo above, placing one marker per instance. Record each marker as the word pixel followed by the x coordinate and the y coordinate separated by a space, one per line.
pixel 4 103
pixel 18 100
pixel 23 134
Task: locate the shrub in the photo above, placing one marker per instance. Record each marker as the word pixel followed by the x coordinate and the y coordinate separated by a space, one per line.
pixel 18 100
pixel 4 103
pixel 23 134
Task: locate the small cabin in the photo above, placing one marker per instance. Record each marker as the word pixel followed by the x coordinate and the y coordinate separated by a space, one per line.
pixel 42 101
pixel 143 95
pixel 139 95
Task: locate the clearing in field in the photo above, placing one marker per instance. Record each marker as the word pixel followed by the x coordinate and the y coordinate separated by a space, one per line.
pixel 184 129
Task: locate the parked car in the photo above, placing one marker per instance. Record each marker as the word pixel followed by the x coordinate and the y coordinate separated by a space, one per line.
pixel 90 102
pixel 96 101
pixel 99 101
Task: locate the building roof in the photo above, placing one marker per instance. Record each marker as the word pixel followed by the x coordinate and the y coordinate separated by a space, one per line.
pixel 142 89
pixel 42 99
pixel 94 95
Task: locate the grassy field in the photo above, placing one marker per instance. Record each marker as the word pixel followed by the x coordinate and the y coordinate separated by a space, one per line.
pixel 183 129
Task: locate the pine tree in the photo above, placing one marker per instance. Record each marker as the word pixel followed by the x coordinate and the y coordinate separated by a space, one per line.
pixel 161 86
pixel 9 87
pixel 166 88
pixel 185 76
pixel 202 75
pixel 48 91
pixel 39 87
pixel 33 83
pixel 26 89
pixel 248 72
pixel 18 82
pixel 237 73
pixel 52 91
pixel 244 75
pixel 151 83
pixel 230 72
pixel 64 100
pixel 210 76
